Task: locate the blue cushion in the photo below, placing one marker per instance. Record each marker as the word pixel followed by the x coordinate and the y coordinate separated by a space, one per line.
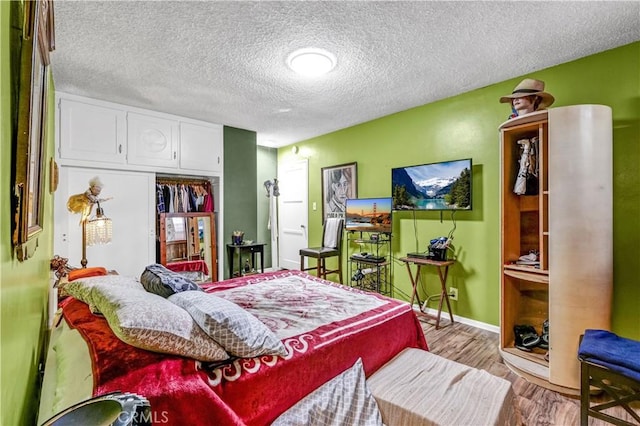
pixel 611 351
pixel 159 280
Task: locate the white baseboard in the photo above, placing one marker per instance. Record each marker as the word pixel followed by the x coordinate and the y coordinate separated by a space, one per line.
pixel 462 320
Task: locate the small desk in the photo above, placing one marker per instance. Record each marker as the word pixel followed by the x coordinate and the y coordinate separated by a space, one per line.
pixel 443 271
pixel 253 248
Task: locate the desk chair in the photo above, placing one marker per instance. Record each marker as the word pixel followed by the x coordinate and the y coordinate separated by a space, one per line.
pixel 612 364
pixel 331 247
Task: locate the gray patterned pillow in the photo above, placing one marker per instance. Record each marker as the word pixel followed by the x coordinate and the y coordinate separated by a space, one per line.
pixel 343 400
pixel 163 282
pixel 150 322
pixel 236 330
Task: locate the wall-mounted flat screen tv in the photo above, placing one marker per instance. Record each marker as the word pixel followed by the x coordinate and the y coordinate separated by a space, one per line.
pixel 368 214
pixel 435 186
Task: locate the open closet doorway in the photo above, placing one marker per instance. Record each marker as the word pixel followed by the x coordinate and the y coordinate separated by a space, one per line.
pixel 293 213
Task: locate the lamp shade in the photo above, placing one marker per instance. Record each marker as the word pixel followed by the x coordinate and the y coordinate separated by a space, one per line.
pixel 99 228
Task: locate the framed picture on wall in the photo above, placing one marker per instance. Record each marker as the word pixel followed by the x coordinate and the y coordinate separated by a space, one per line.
pixel 338 183
pixel 29 146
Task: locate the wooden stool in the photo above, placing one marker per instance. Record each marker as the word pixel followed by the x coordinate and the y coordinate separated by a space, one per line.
pixel 612 364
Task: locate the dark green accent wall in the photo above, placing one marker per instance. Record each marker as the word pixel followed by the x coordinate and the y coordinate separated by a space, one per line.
pixel 23 285
pixel 467 126
pixel 267 170
pixel 240 186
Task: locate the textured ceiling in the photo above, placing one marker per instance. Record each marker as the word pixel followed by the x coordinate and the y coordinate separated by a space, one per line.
pixel 225 62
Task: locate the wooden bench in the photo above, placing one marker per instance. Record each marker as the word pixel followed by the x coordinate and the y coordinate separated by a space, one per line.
pixel 420 388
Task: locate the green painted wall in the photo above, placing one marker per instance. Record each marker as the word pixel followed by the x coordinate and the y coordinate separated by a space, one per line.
pixel 23 286
pixel 267 161
pixel 467 126
pixel 240 186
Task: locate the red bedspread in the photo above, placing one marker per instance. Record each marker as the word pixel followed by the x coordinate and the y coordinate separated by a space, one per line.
pixel 325 327
pixel 189 266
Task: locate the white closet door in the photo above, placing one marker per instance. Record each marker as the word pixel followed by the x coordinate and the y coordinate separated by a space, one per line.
pixel 132 211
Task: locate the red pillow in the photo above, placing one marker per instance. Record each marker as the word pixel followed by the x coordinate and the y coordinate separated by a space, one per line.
pixel 86 272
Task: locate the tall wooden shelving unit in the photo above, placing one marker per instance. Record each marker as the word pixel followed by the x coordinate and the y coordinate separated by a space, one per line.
pixel 568 220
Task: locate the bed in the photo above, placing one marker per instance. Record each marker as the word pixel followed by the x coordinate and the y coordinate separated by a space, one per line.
pixel 325 327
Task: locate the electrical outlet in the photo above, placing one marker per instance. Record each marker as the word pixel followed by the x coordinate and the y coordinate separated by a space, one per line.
pixel 453 293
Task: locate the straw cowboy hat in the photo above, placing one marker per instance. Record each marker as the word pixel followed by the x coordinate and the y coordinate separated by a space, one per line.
pixel 530 87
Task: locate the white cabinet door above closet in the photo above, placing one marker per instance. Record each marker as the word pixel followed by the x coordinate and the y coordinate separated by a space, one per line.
pixel 153 141
pixel 92 132
pixel 201 147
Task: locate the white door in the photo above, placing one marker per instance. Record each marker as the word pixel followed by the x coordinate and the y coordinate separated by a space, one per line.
pixel 293 181
pixel 131 210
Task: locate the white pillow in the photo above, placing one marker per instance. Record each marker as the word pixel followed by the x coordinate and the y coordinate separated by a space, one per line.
pixel 240 333
pixel 148 321
pixel 81 288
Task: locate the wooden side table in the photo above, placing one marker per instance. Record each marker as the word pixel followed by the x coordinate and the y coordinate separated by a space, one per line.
pixel 239 249
pixel 443 271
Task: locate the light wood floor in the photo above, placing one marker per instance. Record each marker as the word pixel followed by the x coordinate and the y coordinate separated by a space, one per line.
pixel 478 348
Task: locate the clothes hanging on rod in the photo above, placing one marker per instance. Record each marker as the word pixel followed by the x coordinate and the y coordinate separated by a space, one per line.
pixel 174 196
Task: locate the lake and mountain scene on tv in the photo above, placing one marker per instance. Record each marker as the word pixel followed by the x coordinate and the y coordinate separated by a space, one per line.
pixel 435 186
pixel 368 214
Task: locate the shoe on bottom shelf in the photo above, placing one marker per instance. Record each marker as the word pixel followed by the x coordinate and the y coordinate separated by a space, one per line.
pixel 544 337
pixel 526 337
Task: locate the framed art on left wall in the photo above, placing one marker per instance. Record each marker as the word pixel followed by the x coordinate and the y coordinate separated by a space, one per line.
pixel 29 146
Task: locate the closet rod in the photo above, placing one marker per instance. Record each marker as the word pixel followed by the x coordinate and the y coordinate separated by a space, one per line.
pixel 176 181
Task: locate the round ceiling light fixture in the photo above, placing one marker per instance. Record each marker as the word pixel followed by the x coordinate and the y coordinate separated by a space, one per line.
pixel 311 62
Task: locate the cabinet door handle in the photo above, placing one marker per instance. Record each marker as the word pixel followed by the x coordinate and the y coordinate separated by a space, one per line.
pixel 174 155
pixel 120 149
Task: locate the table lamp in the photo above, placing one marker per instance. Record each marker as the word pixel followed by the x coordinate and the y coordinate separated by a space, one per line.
pixel 96 229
